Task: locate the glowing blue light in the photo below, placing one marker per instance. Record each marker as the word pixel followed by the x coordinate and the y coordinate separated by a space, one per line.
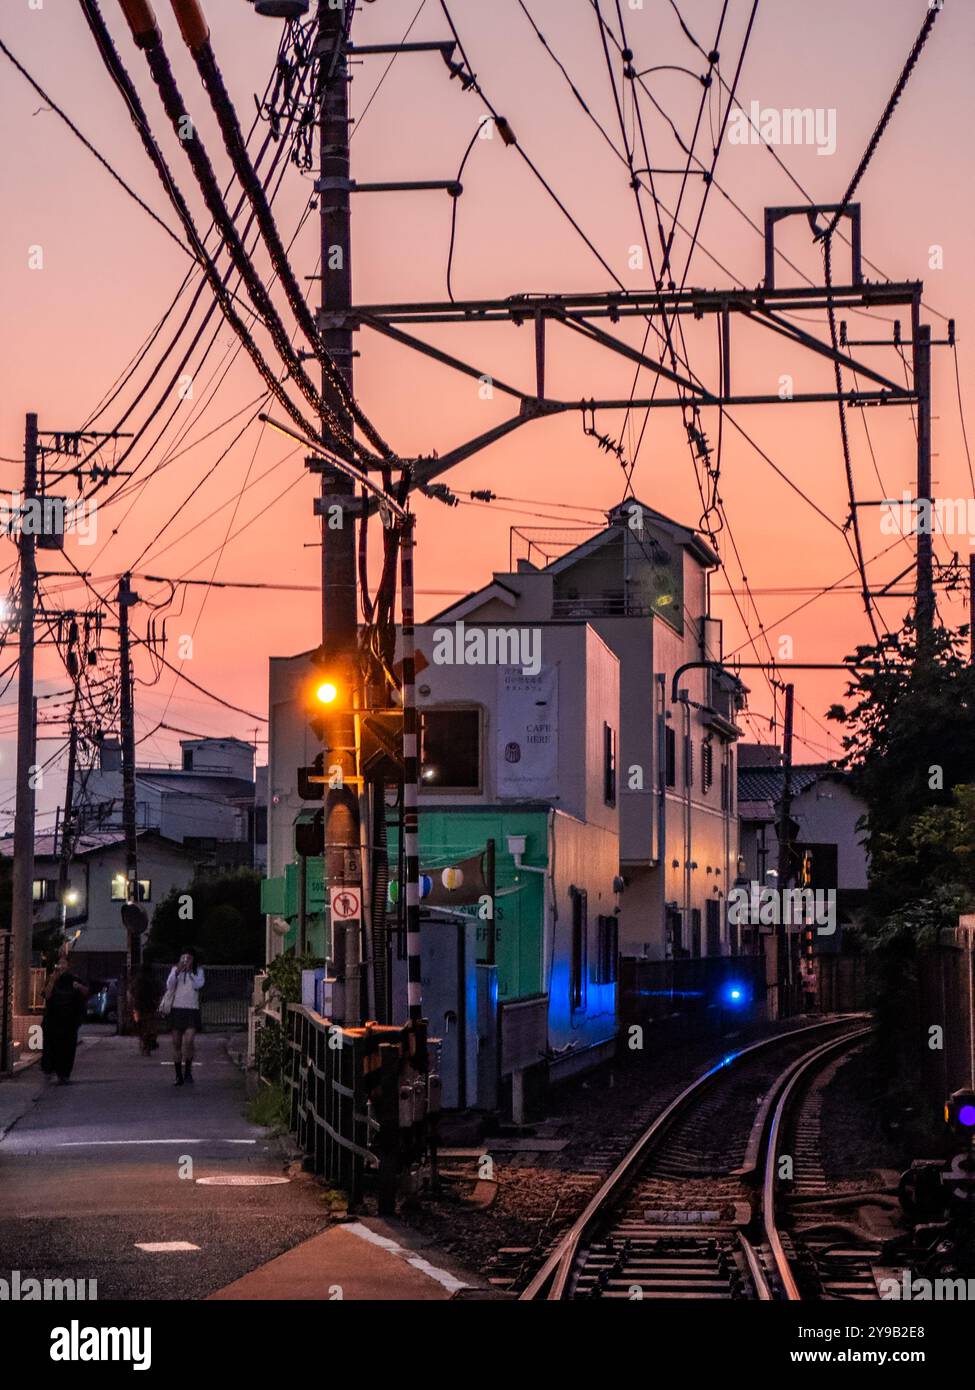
pixel 966 1116
pixel 735 994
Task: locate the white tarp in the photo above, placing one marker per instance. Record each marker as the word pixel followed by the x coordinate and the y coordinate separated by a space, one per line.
pixel 528 732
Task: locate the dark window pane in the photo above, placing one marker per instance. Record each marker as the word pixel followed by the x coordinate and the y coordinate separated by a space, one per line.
pixel 712 910
pixel 670 756
pixel 450 748
pixel 609 765
pixel 580 933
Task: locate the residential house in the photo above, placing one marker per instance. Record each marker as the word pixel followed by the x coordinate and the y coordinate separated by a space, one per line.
pixel 95 891
pixel 206 803
pixel 826 837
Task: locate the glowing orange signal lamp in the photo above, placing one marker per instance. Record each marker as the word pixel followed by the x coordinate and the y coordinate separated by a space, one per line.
pixel 326 692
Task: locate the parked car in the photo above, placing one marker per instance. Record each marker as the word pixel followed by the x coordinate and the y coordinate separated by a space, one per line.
pixel 102 1004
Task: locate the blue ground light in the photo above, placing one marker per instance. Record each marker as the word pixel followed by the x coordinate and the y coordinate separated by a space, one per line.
pixel 734 994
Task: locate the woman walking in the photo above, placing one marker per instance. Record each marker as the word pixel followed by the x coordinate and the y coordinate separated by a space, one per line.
pixel 183 986
pixel 63 1016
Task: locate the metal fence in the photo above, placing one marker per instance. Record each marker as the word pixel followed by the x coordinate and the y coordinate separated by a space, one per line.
pixel 360 1101
pixel 689 998
pixel 844 983
pixel 226 997
pixel 943 1027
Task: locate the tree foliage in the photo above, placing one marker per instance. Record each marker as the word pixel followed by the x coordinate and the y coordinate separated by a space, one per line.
pixel 218 917
pixel 910 746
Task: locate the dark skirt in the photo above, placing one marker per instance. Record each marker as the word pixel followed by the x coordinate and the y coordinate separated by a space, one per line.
pixel 181 1019
pixel 62 1018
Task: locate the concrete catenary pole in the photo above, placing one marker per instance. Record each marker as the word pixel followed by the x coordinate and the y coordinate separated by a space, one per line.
pixel 343 855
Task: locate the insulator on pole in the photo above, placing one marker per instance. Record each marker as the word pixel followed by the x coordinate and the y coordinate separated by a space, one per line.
pixel 192 23
pixel 141 21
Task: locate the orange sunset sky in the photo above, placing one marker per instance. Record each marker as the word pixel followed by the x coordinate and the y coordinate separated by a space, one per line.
pixel 109 272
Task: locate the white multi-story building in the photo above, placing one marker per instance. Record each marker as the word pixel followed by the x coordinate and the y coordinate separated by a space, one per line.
pixel 642 584
pixel 551 737
pixel 207 802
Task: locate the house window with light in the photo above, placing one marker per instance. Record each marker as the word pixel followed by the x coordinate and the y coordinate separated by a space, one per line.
pixel 120 886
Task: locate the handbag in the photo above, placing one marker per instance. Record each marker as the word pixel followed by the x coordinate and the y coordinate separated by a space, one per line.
pixel 167 1001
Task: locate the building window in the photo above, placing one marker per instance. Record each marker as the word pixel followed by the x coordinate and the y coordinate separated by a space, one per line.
pixel 688 761
pixel 707 765
pixel 675 932
pixel 45 890
pixel 607 950
pixel 120 887
pixel 187 759
pixel 724 786
pixel 609 765
pixel 580 951
pixel 696 932
pixel 712 911
pixel 450 749
pixel 670 756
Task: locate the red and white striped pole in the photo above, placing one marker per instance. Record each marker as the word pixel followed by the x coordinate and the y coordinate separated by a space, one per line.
pixel 411 779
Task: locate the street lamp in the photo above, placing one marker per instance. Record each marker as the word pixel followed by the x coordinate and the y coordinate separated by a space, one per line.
pixel 69 898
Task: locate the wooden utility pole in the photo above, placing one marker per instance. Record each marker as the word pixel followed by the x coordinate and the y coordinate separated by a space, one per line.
pixel 343 852
pixel 22 915
pixel 131 920
pixel 783 950
pixel 924 613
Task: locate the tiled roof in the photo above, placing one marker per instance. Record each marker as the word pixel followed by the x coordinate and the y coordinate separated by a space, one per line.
pixel 766 783
pixel 46 846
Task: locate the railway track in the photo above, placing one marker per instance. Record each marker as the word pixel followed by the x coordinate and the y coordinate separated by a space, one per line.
pixel 696 1210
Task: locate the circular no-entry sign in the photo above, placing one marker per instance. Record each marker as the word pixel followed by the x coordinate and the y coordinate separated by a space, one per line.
pixel 346 903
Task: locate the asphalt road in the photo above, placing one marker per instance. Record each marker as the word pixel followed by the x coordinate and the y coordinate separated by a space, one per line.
pixel 93 1170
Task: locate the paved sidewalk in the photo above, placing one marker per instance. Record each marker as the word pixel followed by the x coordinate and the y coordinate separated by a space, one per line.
pixel 156 1191
pixel 371 1260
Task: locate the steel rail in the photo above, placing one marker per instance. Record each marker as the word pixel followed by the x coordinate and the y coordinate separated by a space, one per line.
pixel 786 1098
pixel 551 1281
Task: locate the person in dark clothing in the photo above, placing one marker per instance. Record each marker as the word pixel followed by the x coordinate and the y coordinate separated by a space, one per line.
pixel 63 1017
pixel 145 1002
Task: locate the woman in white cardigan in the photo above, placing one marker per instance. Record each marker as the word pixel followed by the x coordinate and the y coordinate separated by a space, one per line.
pixel 183 986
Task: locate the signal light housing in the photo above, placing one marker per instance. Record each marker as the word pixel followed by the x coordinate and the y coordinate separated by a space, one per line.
pixel 960 1112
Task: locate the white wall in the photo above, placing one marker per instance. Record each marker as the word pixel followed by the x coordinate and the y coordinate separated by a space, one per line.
pixel 91 876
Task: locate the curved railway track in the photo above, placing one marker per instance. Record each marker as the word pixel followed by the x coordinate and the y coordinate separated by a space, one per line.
pixel 696 1209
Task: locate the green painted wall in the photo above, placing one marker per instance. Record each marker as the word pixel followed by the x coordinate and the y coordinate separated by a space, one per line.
pixel 445 837
pixel 451 834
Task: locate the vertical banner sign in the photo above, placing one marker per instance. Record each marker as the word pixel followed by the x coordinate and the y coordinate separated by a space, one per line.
pixel 528 732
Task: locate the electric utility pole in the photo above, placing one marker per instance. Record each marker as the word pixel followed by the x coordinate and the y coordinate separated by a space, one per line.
pixel 22 915
pixel 133 918
pixel 925 537
pixel 783 944
pixel 343 855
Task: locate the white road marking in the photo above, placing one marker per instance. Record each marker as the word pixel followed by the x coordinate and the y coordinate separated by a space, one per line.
pixel 241 1180
pixel 356 1228
pixel 164 1247
pixel 117 1143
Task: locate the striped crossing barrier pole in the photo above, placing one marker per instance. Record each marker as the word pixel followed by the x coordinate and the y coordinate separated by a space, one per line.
pixel 411 779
